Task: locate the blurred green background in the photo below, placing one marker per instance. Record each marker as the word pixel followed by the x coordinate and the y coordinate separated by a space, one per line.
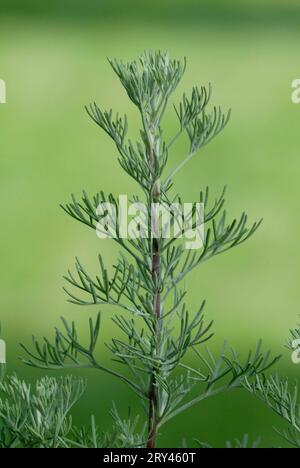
pixel 53 59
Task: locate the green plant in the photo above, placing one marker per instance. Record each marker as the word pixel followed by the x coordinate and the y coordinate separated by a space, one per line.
pixel 244 443
pixel 39 417
pixel 283 399
pixel 146 283
pixel 280 395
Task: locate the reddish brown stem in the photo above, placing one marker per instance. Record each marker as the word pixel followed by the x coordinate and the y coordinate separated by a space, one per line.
pixel 153 416
pixel 153 397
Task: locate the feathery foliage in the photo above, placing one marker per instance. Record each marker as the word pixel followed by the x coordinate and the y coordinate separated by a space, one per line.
pixel 236 444
pixel 146 285
pixel 39 417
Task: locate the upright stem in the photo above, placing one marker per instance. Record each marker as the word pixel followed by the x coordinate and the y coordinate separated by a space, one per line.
pixel 156 260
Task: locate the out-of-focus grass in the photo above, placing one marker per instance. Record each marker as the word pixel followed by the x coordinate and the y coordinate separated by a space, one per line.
pixel 190 13
pixel 49 149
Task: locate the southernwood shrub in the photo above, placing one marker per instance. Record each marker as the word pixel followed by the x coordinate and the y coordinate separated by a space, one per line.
pixel 145 288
